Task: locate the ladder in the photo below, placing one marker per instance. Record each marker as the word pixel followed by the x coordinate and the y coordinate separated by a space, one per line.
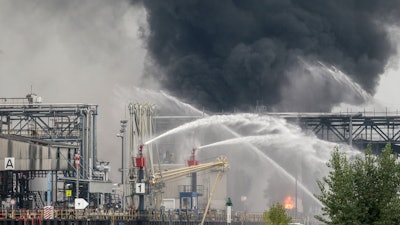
pixel 37 197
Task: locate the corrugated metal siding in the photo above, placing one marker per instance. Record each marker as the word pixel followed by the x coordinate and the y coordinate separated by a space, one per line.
pixel 30 156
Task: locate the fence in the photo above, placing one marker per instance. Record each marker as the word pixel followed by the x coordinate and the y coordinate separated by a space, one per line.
pixel 115 217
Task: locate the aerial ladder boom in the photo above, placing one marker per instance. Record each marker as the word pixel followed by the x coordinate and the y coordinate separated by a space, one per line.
pixel 219 176
pixel 220 164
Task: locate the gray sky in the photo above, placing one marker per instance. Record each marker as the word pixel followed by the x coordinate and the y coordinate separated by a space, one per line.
pixel 389 91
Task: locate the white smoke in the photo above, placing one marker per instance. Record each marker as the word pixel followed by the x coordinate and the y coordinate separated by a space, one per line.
pixel 73 51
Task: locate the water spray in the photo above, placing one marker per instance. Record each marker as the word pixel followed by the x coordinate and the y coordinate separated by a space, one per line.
pixel 269 126
pixel 273 162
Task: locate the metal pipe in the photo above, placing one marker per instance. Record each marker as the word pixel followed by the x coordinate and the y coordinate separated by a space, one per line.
pixel 123 173
pixel 94 132
pixel 87 155
pixel 123 159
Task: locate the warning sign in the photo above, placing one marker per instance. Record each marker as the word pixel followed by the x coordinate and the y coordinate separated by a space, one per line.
pixel 48 212
pixel 140 188
pixel 9 163
pixel 68 193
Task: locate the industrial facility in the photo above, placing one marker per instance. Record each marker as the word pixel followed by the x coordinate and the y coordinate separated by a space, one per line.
pixel 49 160
pixel 49 154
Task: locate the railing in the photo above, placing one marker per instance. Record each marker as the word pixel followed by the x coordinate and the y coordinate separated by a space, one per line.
pixel 132 215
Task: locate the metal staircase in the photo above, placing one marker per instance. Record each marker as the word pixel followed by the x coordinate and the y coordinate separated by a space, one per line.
pixel 37 197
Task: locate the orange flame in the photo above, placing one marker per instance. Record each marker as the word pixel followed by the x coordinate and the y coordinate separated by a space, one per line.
pixel 288 203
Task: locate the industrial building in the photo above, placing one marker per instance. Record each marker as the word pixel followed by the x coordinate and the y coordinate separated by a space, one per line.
pixel 48 154
pixel 49 158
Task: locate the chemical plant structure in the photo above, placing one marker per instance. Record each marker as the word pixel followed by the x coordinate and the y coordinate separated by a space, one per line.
pixel 167 186
pixel 49 153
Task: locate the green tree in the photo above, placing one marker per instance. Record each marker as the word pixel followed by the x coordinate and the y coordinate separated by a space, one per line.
pixel 276 215
pixel 362 190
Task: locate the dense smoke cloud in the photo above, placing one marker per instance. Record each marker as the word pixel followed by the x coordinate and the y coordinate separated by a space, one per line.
pixel 231 54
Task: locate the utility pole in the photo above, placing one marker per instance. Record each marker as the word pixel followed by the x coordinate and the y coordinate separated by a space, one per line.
pixel 121 134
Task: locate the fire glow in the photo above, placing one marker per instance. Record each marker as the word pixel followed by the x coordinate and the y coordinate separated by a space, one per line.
pixel 288 203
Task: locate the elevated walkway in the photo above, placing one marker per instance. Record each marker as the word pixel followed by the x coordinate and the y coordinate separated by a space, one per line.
pixel 356 129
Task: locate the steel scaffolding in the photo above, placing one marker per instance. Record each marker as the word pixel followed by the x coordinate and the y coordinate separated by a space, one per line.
pixel 355 129
pixel 73 124
pixel 30 125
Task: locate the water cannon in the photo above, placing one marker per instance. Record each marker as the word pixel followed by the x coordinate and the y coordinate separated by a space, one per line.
pixel 192 161
pixel 140 160
pixel 141 149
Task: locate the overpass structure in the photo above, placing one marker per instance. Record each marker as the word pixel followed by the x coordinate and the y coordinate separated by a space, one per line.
pixel 355 129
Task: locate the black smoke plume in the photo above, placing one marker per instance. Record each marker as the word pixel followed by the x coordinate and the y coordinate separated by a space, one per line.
pixel 234 54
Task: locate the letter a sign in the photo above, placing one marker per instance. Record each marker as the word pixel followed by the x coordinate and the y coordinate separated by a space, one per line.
pixel 9 163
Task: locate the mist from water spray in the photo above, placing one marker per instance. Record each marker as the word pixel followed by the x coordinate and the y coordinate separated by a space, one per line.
pixel 207 121
pixel 318 87
pixel 266 129
pixel 165 104
pixel 175 100
pixel 249 140
pixel 184 127
pixel 239 140
pixel 345 80
pixel 230 120
pixel 269 146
